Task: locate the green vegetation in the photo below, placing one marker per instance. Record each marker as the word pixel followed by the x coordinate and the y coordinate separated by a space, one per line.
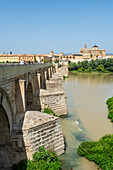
pixel 49 111
pixel 104 65
pixel 8 62
pixel 35 61
pixel 43 160
pixel 56 61
pixel 64 77
pixel 91 55
pixel 49 61
pixel 101 152
pixel 110 108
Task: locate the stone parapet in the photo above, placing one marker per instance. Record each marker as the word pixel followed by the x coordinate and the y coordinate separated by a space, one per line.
pixel 16 70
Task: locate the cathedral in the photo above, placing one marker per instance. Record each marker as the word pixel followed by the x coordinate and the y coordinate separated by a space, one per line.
pixel 93 52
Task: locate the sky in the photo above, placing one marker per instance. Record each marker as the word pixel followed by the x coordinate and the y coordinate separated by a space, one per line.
pixel 40 26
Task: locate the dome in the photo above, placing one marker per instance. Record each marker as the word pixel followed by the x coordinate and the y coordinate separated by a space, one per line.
pixel 95 46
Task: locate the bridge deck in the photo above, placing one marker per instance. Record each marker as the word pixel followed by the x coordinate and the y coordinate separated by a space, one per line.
pixel 17 69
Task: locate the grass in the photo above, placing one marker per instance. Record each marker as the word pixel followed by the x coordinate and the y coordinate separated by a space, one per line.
pixel 64 77
pixel 49 111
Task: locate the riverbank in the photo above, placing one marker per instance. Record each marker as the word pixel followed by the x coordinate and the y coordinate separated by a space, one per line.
pixel 95 73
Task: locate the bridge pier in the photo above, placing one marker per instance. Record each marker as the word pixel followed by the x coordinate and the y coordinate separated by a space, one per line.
pixel 21 96
pixel 49 73
pixel 39 80
pixel 53 96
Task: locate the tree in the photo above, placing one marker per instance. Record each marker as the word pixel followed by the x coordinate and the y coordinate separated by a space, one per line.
pixel 96 56
pixel 100 68
pixel 35 61
pixel 10 52
pixel 91 55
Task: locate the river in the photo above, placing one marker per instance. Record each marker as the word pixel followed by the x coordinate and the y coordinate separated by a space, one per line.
pixel 87 115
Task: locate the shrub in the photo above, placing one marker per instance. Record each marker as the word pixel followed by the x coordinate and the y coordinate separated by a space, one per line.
pixel 100 68
pixel 110 115
pixel 64 77
pixel 43 160
pixel 109 103
pixel 109 100
pixel 110 106
pixel 81 69
pixel 101 152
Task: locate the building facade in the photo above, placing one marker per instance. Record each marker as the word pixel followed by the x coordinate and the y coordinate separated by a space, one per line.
pixel 9 58
pixel 27 58
pixel 85 54
pixel 71 57
pixel 92 53
pixel 16 58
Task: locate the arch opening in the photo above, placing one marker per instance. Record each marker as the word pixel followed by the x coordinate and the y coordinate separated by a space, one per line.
pixel 4 127
pixel 5 143
pixel 29 97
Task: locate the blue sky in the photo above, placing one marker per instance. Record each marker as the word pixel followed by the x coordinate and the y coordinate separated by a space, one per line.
pixel 39 26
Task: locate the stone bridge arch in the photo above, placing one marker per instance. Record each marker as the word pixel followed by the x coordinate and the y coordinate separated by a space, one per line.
pixel 6 106
pixel 5 141
pixel 30 79
pixel 6 125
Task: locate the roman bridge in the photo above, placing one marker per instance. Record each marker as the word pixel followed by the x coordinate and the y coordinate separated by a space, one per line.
pixel 25 90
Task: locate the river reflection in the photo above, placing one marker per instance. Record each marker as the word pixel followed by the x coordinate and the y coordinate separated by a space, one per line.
pixel 87 115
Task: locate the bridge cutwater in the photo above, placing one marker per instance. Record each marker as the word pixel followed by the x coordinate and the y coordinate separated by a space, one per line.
pixel 25 90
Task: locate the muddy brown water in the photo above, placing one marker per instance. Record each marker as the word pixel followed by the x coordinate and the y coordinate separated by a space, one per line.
pixel 87 115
